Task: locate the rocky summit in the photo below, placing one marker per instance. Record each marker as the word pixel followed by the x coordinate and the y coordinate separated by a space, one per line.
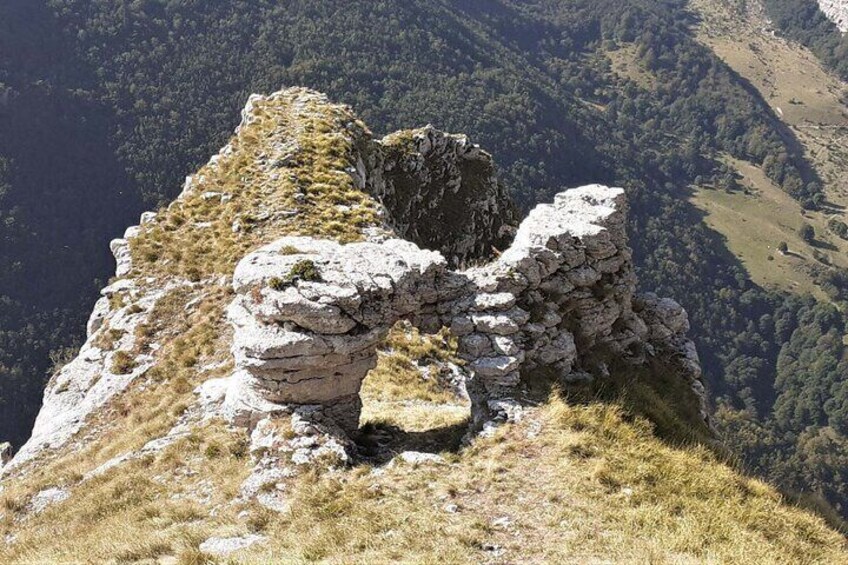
pixel 323 322
pixel 311 312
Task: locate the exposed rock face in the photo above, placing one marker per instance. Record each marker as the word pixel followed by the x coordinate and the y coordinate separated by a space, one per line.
pixel 441 192
pixel 837 12
pixel 97 374
pixel 313 341
pixel 561 297
pixel 226 546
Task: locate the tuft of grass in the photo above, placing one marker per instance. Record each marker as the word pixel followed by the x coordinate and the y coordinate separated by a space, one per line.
pixel 303 270
pixel 107 338
pixel 123 363
pixel 293 157
pixel 410 367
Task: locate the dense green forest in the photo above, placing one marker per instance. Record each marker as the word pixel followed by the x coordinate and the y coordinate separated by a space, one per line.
pixel 802 21
pixel 105 106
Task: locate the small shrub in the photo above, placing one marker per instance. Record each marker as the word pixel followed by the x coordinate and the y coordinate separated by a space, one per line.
pixel 240 448
pixel 807 233
pixel 61 357
pixel 257 521
pixel 304 270
pixel 13 504
pixel 123 363
pixel 838 227
pixel 107 338
pixel 270 486
pixel 116 301
pixel 144 332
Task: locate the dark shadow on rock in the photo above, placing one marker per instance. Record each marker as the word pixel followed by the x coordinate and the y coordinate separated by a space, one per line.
pixel 819 244
pixel 378 443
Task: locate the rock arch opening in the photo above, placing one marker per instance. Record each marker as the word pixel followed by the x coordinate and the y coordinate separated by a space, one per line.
pixel 563 291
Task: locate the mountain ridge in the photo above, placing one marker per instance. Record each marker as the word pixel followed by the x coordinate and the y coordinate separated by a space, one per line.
pixel 158 457
pixel 562 94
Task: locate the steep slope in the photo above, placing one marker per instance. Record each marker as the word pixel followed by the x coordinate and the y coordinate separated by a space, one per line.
pixel 816 24
pixel 156 88
pixel 812 447
pixel 810 101
pixel 156 444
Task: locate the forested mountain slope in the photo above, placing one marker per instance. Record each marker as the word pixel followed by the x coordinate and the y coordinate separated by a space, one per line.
pixel 105 106
pixel 805 22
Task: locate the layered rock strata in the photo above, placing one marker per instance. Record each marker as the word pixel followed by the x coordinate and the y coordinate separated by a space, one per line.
pixel 310 314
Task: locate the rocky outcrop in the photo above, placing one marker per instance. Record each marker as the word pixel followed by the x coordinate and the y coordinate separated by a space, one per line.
pixel 837 12
pixel 106 365
pixel 310 314
pixel 441 192
pixel 310 338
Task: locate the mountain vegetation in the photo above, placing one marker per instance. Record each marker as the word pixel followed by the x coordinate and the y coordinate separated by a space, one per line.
pixel 105 106
pixel 803 21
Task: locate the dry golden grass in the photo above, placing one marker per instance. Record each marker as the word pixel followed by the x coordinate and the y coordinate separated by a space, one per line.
pixel 407 389
pixel 579 482
pixel 575 484
pixel 287 174
pixel 145 508
pixel 408 367
pixel 756 221
pixel 110 503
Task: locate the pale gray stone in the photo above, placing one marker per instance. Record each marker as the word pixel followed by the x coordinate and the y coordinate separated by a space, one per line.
pixel 225 546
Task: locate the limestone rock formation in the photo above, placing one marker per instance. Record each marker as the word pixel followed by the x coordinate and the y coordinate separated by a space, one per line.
pixel 556 295
pixel 442 193
pixel 311 340
pixel 310 314
pixel 106 365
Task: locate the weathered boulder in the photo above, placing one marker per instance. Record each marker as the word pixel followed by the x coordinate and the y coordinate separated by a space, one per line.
pixel 311 313
pixel 5 452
